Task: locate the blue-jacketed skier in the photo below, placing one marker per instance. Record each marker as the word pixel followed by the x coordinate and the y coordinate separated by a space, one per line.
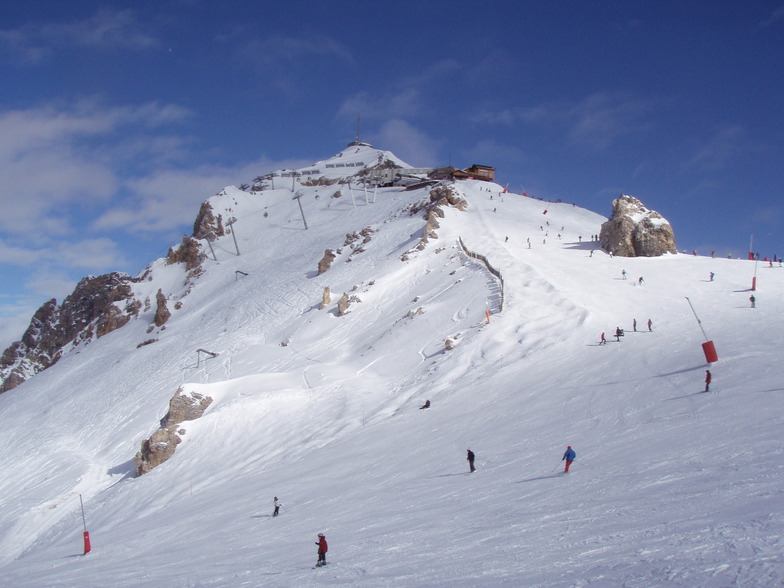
pixel 568 456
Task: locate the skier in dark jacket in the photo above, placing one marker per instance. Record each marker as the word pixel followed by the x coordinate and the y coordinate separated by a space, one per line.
pixel 425 405
pixel 708 379
pixel 322 550
pixel 568 456
pixel 470 457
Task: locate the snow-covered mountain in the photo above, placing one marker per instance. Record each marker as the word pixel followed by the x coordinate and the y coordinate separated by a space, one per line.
pixel 672 486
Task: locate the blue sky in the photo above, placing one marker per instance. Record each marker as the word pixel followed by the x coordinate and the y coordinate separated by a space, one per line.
pixel 117 119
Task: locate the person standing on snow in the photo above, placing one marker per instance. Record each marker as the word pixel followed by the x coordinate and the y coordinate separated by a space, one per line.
pixel 650 325
pixel 603 341
pixel 634 325
pixel 708 379
pixel 322 550
pixel 568 456
pixel 470 457
pixel 277 505
pixel 753 301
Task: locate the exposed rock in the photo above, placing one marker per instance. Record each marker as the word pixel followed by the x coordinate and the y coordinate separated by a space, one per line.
pixel 326 261
pixel 94 307
pixel 156 450
pixel 449 344
pixel 162 313
pixel 343 304
pixel 326 298
pixel 163 442
pixel 635 231
pixel 188 252
pixel 206 226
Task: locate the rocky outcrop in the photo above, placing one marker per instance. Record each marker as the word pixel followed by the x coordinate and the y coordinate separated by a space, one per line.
pixel 162 312
pixel 188 252
pixel 635 231
pixel 96 307
pixel 207 225
pixel 162 443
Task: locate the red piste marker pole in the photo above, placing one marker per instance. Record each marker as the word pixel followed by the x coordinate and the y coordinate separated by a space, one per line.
pixel 708 348
pixel 87 547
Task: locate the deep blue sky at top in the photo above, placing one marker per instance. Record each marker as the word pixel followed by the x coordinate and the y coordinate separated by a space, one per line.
pixel 118 118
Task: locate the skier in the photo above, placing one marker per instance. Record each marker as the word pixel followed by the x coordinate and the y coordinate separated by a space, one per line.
pixel 623 273
pixel 708 378
pixel 634 325
pixel 711 276
pixel 603 340
pixel 753 301
pixel 322 550
pixel 568 456
pixel 618 334
pixel 425 405
pixel 640 280
pixel 650 325
pixel 470 457
pixel 276 504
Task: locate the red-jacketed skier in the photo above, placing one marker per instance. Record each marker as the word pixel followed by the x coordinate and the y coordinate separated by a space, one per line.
pixel 322 550
pixel 568 456
pixel 708 379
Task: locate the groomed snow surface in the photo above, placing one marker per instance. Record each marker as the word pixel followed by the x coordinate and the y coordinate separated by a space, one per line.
pixel 672 486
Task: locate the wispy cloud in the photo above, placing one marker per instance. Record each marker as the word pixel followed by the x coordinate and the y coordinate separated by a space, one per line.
pixel 284 51
pixel 776 17
pixel 403 104
pixel 596 121
pixel 404 98
pixel 716 150
pixel 107 29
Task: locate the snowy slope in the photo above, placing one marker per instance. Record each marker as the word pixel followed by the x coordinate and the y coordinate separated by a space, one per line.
pixel 671 487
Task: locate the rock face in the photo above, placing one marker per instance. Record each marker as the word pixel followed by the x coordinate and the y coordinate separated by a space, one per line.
pixel 163 442
pixel 207 225
pixel 96 307
pixel 188 252
pixel 635 231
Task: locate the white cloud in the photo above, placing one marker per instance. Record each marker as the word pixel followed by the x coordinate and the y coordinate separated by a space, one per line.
pixel 54 158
